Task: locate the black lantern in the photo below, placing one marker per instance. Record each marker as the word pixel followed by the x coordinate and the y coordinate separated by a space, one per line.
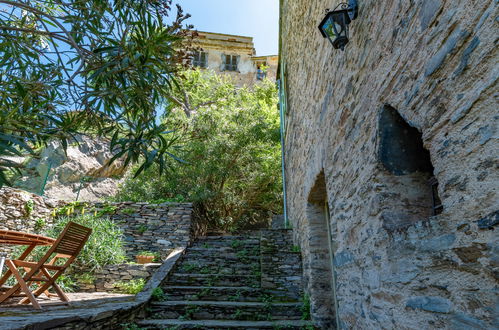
pixel 335 25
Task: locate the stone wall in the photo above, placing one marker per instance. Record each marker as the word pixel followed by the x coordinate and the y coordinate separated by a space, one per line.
pixel 110 277
pixel 146 227
pixel 19 210
pixel 153 227
pixel 395 264
pixel 24 211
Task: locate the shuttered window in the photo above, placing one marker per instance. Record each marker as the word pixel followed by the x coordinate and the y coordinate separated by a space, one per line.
pixel 230 63
pixel 200 59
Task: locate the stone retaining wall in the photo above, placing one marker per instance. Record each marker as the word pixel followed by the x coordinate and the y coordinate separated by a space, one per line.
pixel 158 228
pixel 152 227
pixel 25 212
pixel 110 277
pixel 146 227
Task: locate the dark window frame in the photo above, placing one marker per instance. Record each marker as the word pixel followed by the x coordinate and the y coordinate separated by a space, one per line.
pixel 200 59
pixel 230 63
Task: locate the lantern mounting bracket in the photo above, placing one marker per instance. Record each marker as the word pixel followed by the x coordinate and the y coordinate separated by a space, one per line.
pixel 352 8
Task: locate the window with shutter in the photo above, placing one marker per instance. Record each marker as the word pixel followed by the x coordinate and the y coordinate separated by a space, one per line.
pixel 231 62
pixel 200 59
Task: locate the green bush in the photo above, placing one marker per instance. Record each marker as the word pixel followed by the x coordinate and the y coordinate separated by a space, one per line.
pixel 230 165
pixel 104 247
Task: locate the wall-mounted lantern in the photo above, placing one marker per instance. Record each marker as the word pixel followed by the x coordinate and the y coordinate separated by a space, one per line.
pixel 335 25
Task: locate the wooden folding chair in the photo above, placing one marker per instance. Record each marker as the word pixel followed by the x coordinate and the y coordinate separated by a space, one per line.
pixel 67 246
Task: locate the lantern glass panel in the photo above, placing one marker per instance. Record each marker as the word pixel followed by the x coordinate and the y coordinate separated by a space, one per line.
pixel 329 28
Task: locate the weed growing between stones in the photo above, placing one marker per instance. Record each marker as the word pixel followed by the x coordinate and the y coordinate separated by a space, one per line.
pixel 236 244
pixel 142 229
pixel 235 297
pixel 189 312
pixel 205 270
pixel 86 278
pixel 130 326
pixel 29 206
pixel 189 267
pixel 238 315
pixel 132 286
pixel 40 224
pixel 305 308
pixel 158 294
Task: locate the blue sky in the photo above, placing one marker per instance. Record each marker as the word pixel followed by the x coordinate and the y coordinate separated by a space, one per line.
pixel 255 18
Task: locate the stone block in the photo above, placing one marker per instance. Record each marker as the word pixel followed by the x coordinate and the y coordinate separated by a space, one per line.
pixel 430 304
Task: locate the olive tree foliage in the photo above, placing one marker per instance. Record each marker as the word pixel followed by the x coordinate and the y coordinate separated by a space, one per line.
pixel 100 67
pixel 231 149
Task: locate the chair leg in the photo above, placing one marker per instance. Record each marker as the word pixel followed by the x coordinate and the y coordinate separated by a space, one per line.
pixel 50 283
pixel 23 256
pixel 23 285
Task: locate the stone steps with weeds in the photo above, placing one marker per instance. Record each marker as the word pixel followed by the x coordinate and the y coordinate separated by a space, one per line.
pixel 217 285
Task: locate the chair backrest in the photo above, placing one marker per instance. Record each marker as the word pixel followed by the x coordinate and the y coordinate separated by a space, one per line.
pixel 72 239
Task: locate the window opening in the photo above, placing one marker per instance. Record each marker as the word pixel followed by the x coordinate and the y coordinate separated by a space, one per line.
pixel 411 177
pixel 200 59
pixel 231 62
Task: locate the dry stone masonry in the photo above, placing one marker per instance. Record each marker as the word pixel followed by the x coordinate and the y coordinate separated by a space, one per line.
pixel 413 96
pixel 152 227
pixel 157 228
pixel 228 282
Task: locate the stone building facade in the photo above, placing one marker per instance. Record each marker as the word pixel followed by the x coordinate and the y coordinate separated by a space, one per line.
pixel 233 55
pixel 391 162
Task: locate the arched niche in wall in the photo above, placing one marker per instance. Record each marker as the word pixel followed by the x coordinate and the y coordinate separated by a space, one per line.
pixel 411 193
pixel 319 269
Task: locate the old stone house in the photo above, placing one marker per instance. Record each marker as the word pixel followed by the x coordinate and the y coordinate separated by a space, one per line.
pixel 233 55
pixel 391 162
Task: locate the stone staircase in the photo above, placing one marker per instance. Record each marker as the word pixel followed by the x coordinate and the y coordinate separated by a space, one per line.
pixel 248 281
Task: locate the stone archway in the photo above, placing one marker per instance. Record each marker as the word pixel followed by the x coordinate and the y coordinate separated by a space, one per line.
pixel 319 269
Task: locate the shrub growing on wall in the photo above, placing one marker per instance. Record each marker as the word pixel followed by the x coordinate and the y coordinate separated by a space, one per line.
pixel 230 164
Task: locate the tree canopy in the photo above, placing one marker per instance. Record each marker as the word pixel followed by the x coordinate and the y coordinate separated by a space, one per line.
pixel 230 148
pixel 105 67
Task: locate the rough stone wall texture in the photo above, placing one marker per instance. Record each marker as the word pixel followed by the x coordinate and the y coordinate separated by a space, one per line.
pixel 435 62
pixel 110 277
pixel 146 227
pixel 81 171
pixel 24 211
pixel 280 264
pixel 153 227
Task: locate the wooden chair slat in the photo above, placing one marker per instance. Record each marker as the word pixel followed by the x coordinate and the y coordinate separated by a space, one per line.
pixel 68 245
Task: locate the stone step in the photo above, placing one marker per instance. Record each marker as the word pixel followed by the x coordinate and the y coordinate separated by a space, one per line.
pixel 228 238
pixel 214 293
pixel 236 255
pixel 224 324
pixel 218 268
pixel 223 250
pixel 227 260
pixel 220 259
pixel 213 280
pixel 234 244
pixel 226 293
pixel 225 310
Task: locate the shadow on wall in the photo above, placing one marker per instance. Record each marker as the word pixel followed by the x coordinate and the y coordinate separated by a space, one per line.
pixel 318 261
